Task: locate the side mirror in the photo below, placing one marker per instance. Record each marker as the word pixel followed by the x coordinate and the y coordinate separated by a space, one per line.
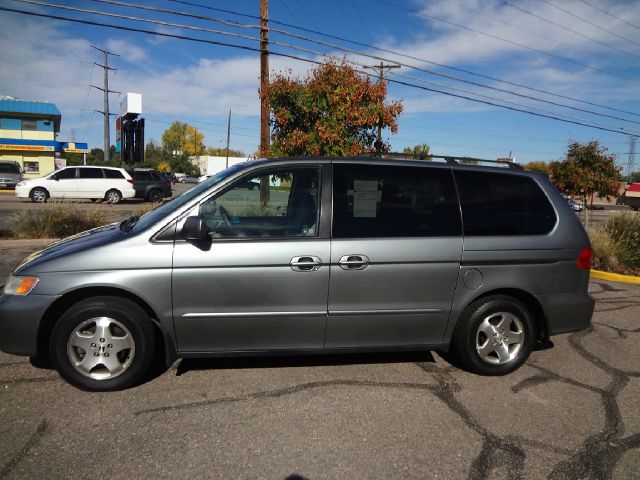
pixel 195 228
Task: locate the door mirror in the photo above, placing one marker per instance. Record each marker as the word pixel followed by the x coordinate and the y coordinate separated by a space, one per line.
pixel 195 228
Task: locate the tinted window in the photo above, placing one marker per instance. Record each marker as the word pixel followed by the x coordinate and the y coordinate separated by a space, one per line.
pixel 112 173
pixel 66 174
pixel 9 168
pixel 386 201
pixel 503 204
pixel 90 172
pixel 290 210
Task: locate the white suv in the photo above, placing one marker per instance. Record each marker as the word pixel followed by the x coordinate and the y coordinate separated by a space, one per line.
pixel 108 183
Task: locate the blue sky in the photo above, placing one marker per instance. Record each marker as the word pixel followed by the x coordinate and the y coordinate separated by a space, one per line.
pixel 568 52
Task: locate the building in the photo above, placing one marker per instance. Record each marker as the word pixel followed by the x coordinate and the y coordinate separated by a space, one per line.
pixel 28 133
pixel 210 165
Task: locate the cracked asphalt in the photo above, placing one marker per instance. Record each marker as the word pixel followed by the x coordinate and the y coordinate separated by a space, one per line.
pixel 571 412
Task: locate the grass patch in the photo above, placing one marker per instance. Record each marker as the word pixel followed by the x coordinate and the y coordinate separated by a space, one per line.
pixel 58 220
pixel 616 246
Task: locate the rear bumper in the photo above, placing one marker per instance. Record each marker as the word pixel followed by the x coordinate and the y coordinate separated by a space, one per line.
pixel 567 312
pixel 20 319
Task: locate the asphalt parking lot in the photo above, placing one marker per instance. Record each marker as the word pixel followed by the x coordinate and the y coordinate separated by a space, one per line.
pixel 570 413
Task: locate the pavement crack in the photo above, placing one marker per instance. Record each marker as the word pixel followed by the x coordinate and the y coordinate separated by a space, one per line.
pixel 26 448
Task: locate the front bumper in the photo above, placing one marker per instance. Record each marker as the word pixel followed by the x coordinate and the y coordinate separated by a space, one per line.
pixel 20 319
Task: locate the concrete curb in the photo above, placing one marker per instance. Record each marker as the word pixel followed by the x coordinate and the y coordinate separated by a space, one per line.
pixel 614 277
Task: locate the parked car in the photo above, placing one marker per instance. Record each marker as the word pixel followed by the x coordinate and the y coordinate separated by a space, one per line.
pixel 350 254
pixel 108 183
pixel 150 185
pixel 575 206
pixel 10 174
pixel 187 179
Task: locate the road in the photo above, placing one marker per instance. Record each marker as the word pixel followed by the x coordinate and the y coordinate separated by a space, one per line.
pixel 570 413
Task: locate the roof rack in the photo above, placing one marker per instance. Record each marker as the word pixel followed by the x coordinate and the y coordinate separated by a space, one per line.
pixel 450 159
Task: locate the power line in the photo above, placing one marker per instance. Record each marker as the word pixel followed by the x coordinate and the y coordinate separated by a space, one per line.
pixel 294 57
pixel 361 44
pixel 589 22
pixel 601 10
pixel 564 27
pixel 510 92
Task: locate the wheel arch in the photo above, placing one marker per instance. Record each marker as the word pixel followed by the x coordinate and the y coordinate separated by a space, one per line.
pixel 531 302
pixel 53 313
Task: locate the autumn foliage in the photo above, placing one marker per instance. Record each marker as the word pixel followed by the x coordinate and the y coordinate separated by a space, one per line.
pixel 587 170
pixel 335 111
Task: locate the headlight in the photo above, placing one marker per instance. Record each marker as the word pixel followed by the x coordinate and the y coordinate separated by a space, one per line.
pixel 20 285
pixel 21 184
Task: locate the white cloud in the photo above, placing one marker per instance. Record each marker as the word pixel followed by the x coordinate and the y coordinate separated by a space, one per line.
pixel 127 51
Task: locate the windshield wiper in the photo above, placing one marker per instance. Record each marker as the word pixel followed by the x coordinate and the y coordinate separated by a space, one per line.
pixel 128 224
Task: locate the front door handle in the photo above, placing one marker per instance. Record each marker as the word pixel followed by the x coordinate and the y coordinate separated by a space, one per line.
pixel 306 263
pixel 354 262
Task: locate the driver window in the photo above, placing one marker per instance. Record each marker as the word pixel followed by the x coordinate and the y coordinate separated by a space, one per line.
pixel 276 203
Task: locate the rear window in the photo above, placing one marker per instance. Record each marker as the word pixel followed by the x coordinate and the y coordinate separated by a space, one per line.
pixel 388 201
pixel 503 204
pixel 113 173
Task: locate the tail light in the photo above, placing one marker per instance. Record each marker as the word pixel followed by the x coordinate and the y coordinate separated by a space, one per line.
pixel 130 180
pixel 584 259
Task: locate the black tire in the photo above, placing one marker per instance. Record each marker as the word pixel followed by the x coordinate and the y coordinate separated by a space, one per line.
pixel 155 195
pixel 119 340
pixel 113 196
pixel 39 195
pixel 494 335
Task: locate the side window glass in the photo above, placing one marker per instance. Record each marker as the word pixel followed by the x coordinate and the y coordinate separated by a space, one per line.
pixel 90 173
pixel 112 173
pixel 66 174
pixel 386 201
pixel 503 204
pixel 286 206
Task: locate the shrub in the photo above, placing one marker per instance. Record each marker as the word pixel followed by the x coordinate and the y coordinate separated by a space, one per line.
pixel 58 220
pixel 624 229
pixel 605 251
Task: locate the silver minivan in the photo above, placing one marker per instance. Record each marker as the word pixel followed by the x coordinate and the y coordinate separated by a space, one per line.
pixel 329 255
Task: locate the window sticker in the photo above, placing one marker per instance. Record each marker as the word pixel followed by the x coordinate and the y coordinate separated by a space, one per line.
pixel 365 198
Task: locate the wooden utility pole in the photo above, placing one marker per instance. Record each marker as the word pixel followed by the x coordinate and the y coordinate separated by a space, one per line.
pixel 264 99
pixel 228 137
pixel 106 91
pixel 381 69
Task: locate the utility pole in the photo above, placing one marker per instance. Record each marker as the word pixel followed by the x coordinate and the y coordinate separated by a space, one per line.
pixel 228 137
pixel 264 100
pixel 631 165
pixel 381 69
pixel 106 91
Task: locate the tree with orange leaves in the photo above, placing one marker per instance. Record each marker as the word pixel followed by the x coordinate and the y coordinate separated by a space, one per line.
pixel 335 111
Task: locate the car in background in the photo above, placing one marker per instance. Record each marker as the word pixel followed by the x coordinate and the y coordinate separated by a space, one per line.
pixel 10 174
pixel 96 183
pixel 151 185
pixel 187 179
pixel 575 206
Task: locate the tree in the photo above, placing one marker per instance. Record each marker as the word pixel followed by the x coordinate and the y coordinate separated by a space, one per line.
pixel 537 167
pixel 182 164
pixel 222 152
pixel 587 170
pixel 420 152
pixel 334 112
pixel 183 138
pixel 633 177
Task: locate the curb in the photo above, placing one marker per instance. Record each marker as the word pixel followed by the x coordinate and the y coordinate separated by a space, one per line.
pixel 614 277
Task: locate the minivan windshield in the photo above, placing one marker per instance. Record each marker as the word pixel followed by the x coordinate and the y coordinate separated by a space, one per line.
pixel 176 203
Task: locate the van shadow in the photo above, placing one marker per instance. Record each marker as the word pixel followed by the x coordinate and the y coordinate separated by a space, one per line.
pixel 186 365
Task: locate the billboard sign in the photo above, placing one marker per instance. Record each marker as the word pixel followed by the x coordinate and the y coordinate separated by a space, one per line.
pixel 131 104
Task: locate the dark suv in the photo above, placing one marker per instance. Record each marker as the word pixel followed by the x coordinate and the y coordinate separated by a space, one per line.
pixel 150 185
pixel 10 174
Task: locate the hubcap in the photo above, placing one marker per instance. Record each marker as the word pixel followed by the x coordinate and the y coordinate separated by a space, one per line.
pixel 101 348
pixel 499 338
pixel 39 196
pixel 113 197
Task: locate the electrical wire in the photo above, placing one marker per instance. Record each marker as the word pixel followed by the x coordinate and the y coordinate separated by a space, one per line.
pixel 609 14
pixel 331 45
pixel 294 57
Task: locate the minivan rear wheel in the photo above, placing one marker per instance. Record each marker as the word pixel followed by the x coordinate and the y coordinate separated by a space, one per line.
pixel 103 343
pixel 494 335
pixel 39 195
pixel 113 196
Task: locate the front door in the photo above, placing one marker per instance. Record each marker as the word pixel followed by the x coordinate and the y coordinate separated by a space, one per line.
pixel 395 255
pixel 63 183
pixel 261 282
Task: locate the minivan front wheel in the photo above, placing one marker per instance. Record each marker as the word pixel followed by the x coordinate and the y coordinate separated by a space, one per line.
pixel 39 195
pixel 113 196
pixel 103 343
pixel 494 335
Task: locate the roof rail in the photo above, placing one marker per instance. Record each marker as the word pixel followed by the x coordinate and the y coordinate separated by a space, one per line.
pixel 450 159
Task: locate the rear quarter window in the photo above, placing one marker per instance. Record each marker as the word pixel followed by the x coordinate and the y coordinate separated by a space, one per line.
pixel 113 174
pixel 503 204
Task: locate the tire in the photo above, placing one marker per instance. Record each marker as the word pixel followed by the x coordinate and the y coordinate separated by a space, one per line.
pixel 494 335
pixel 103 344
pixel 39 195
pixel 155 196
pixel 113 196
